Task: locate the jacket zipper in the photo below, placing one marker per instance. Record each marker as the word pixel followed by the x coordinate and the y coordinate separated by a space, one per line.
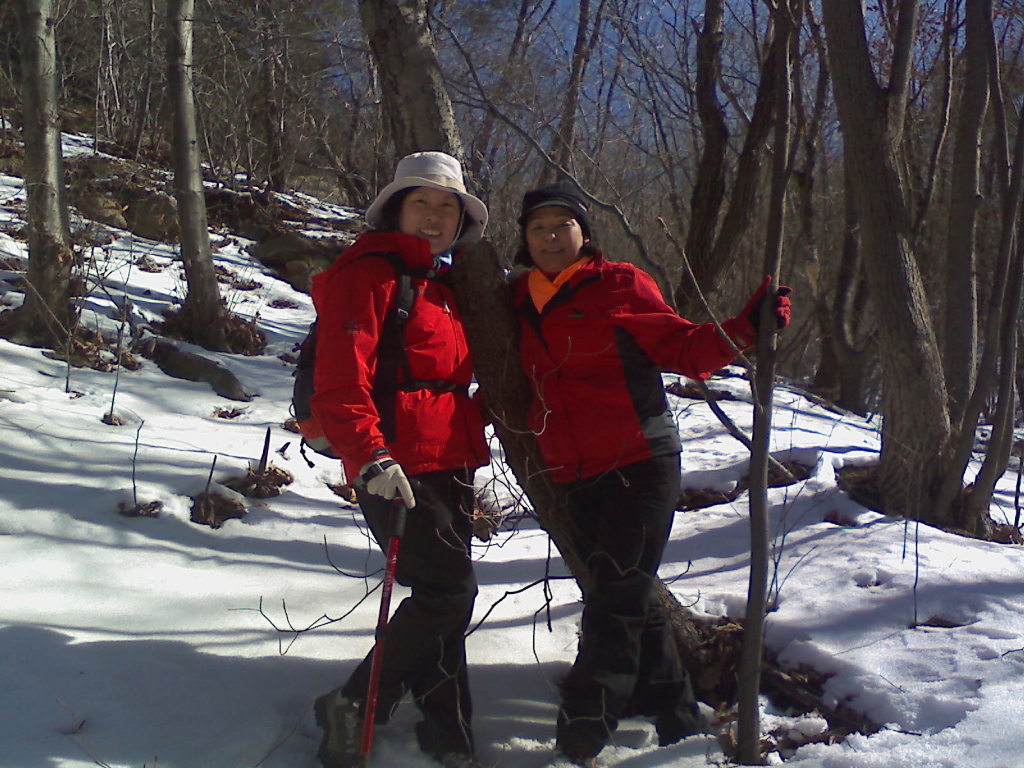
pixel 563 296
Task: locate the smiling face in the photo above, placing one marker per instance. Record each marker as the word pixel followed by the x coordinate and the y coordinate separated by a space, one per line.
pixel 553 238
pixel 432 214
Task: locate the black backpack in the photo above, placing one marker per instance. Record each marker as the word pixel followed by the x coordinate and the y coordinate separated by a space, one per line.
pixel 391 358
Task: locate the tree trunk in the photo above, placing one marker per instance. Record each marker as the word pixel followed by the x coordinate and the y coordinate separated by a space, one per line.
pixel 563 143
pixel 709 184
pixel 960 340
pixel 916 431
pixel 712 238
pixel 1001 319
pixel 47 316
pixel 204 315
pixel 855 347
pixel 483 151
pixel 416 105
pixel 273 73
pixel 786 21
pixel 143 119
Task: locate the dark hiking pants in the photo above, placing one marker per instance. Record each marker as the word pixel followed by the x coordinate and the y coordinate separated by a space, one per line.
pixel 424 643
pixel 628 661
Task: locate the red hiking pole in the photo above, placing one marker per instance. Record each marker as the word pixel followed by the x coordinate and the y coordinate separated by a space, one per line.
pixel 395 537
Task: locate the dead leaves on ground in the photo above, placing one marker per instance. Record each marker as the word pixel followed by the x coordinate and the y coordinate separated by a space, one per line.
pixel 261 484
pixel 214 509
pixel 698 498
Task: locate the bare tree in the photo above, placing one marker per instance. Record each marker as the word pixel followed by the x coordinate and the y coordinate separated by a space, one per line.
pixel 484 142
pixel 273 47
pixel 849 343
pixel 143 120
pixel 960 340
pixel 786 19
pixel 997 367
pixel 916 432
pixel 47 317
pixel 416 105
pixel 203 314
pixel 835 286
pixel 713 235
pixel 563 141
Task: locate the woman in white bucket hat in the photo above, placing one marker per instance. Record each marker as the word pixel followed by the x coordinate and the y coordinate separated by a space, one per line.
pixel 435 170
pixel 419 440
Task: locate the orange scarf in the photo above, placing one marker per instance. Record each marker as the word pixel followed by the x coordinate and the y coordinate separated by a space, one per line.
pixel 543 288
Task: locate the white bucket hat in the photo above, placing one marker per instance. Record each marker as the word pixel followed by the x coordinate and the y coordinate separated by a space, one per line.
pixel 437 170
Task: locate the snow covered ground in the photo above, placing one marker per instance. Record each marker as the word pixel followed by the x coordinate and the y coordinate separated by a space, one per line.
pixel 131 642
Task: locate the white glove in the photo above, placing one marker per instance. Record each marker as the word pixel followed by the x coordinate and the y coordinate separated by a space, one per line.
pixel 386 479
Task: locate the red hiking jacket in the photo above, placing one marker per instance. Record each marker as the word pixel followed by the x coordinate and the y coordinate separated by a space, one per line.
pixel 595 356
pixel 433 430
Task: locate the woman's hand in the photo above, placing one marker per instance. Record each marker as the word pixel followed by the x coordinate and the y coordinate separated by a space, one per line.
pixel 743 328
pixel 386 479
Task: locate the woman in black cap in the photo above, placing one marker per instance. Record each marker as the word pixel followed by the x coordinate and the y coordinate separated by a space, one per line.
pixel 595 338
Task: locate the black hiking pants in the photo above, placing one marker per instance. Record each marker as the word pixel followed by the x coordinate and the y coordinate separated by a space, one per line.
pixel 424 643
pixel 628 661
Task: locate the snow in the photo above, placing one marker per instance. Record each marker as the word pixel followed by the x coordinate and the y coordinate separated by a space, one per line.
pixel 152 642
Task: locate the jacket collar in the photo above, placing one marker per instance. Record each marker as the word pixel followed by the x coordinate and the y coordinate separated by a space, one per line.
pixel 589 271
pixel 415 251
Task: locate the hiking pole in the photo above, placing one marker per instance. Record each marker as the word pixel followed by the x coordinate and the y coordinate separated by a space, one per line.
pixel 397 524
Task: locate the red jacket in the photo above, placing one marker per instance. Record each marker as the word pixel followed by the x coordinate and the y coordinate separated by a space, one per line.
pixel 433 430
pixel 595 356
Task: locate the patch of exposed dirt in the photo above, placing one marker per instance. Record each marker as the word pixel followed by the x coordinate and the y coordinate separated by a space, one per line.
pixel 214 509
pixel 262 484
pixel 244 335
pixel 698 498
pixel 714 670
pixel 150 509
pixel 692 391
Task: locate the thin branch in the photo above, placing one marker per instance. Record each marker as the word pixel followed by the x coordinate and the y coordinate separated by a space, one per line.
pixel 642 252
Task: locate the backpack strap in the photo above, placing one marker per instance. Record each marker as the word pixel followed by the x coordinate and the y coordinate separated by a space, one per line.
pixel 302 392
pixel 391 355
pixel 391 351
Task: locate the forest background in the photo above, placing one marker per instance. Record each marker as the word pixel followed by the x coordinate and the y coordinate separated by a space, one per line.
pixel 867 154
pixel 871 147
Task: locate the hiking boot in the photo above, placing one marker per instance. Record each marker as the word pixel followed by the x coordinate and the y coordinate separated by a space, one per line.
pixel 457 760
pixel 451 747
pixel 673 727
pixel 579 740
pixel 342 725
pixel 563 760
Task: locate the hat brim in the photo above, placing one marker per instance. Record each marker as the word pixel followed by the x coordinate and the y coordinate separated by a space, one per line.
pixel 476 211
pixel 552 202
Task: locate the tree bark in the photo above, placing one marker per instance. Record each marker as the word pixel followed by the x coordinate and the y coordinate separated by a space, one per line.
pixel 204 315
pixel 960 339
pixel 47 317
pixel 563 143
pixel 786 20
pixel 416 105
pixel 855 346
pixel 712 238
pixel 709 184
pixel 273 73
pixel 916 431
pixel 999 352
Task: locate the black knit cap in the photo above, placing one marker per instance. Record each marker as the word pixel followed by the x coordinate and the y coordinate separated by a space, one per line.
pixel 561 193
